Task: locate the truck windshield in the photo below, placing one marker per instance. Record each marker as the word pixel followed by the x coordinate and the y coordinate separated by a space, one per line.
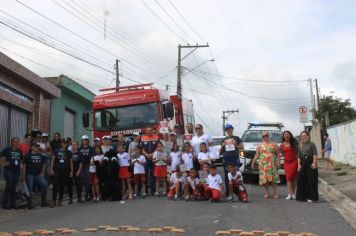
pixel 255 136
pixel 126 117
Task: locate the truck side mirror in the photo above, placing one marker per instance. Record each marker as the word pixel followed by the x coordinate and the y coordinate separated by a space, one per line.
pixel 85 119
pixel 169 110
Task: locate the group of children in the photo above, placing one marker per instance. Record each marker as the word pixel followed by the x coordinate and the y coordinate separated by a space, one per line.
pixel 175 168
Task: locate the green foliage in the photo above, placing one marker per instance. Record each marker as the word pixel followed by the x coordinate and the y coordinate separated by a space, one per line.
pixel 339 110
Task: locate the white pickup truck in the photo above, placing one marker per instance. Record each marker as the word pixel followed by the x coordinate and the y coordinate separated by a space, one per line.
pixel 252 137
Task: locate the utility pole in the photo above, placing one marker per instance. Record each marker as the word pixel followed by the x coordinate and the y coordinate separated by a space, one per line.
pixel 317 94
pixel 225 115
pixel 179 66
pixel 117 74
pixel 312 100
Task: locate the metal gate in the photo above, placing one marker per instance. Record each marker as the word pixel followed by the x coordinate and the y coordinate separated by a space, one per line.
pixel 69 123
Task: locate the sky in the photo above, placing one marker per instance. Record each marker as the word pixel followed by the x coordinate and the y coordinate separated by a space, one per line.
pixel 260 57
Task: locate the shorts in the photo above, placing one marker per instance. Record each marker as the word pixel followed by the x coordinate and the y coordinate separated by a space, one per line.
pixel 160 171
pixel 124 172
pixel 172 191
pixel 139 178
pixel 93 178
pixel 197 192
pixel 327 154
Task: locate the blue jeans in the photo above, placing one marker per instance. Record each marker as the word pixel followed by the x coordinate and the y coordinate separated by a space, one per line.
pixel 85 181
pixel 11 179
pixel 41 182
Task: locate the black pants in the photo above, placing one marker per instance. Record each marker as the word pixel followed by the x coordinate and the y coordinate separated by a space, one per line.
pixel 307 185
pixel 60 180
pixel 78 185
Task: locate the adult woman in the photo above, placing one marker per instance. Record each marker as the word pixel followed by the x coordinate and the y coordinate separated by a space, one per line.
pixel 307 188
pixel 12 163
pixel 268 155
pixel 289 149
pixel 56 141
pixel 197 139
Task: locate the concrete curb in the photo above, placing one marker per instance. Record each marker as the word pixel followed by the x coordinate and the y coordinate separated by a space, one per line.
pixel 343 204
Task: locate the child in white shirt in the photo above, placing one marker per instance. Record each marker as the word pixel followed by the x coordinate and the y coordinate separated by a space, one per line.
pixel 175 157
pixel 160 172
pixel 193 187
pixel 95 162
pixel 124 160
pixel 204 155
pixel 236 184
pixel 188 157
pixel 214 186
pixel 139 162
pixel 176 184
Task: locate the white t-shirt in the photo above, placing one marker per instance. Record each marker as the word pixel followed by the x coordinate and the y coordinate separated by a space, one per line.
pixel 196 141
pixel 188 160
pixel 193 183
pixel 92 167
pixel 158 156
pixel 138 168
pixel 123 159
pixel 237 177
pixel 214 181
pixel 203 156
pixel 175 159
pixel 174 179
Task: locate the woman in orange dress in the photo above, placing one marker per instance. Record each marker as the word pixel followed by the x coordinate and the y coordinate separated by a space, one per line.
pixel 289 149
pixel 267 154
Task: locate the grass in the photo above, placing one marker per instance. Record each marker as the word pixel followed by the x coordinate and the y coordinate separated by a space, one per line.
pixel 342 173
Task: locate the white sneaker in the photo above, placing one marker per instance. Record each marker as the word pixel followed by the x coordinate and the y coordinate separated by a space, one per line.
pixel 310 201
pixel 231 198
pixel 289 197
pixel 293 196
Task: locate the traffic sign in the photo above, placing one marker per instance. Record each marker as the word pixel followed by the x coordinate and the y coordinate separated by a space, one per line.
pixel 303 114
pixel 303 110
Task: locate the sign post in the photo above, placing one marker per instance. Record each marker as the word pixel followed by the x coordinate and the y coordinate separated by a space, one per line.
pixel 303 115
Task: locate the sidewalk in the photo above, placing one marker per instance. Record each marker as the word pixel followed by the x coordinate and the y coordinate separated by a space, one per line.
pixel 343 178
pixel 338 187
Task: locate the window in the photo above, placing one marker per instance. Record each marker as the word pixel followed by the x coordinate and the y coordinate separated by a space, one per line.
pixel 126 117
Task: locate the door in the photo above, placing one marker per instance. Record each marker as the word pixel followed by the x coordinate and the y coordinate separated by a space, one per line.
pixel 69 123
pixel 18 123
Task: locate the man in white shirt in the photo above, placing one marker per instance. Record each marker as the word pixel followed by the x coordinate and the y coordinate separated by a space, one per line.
pixel 199 138
pixel 214 186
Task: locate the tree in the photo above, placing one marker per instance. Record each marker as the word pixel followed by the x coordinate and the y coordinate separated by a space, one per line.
pixel 339 110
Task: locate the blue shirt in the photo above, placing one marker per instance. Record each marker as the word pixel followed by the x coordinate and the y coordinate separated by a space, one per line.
pixel 327 146
pixel 34 163
pixel 13 156
pixel 62 158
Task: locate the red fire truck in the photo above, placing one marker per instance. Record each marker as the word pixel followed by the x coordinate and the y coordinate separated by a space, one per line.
pixel 133 108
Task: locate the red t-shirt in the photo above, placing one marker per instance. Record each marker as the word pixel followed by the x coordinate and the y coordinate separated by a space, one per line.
pixel 24 147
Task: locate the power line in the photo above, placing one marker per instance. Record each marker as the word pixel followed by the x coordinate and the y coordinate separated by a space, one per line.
pixel 174 21
pixel 190 26
pixel 162 21
pixel 81 37
pixel 119 32
pixel 118 40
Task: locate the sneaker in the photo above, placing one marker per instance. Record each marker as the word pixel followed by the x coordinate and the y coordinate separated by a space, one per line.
pixel 293 196
pixel 310 201
pixel 186 198
pixel 231 198
pixel 135 195
pixel 176 198
pixel 163 194
pixel 289 197
pixel 143 195
pixel 130 197
pixel 156 194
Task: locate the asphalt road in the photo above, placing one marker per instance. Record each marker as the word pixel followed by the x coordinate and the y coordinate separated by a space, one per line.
pixel 197 218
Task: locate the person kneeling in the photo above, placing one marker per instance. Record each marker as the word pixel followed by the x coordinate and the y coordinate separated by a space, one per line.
pixel 193 187
pixel 176 183
pixel 214 186
pixel 236 185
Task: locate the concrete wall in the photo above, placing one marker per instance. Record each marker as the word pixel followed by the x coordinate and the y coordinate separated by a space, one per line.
pixel 75 98
pixel 343 138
